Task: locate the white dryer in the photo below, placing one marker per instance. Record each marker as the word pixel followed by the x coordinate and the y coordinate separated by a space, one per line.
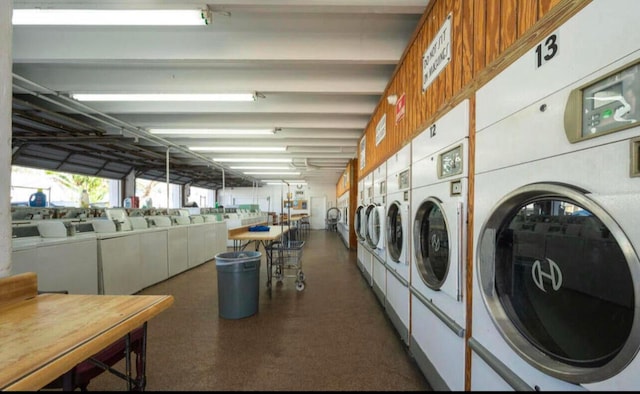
pixel 556 278
pixel 367 254
pixel 360 226
pixel 376 233
pixel 397 238
pixel 439 179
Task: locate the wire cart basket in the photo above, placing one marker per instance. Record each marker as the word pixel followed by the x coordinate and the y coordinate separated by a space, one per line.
pixel 283 256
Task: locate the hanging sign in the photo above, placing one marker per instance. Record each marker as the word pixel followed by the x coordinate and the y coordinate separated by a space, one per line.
pixel 437 55
pixel 400 108
pixel 381 129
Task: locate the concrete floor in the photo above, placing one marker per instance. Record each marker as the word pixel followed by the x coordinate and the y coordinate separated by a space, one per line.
pixel 333 335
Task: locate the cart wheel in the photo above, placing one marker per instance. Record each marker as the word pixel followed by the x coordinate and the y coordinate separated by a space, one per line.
pixel 279 277
pixel 299 286
pixel 301 276
pixel 268 284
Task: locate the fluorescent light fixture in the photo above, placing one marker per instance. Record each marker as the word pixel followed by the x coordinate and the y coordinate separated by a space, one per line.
pixel 276 182
pixel 110 17
pixel 164 96
pixel 225 132
pixel 238 148
pixel 270 173
pixel 251 160
pixel 260 168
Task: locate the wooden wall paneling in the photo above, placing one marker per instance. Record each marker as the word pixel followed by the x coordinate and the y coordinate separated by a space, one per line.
pixel 403 89
pixel 479 26
pixel 424 99
pixel 411 96
pixel 406 88
pixel 508 23
pixel 446 76
pixel 482 31
pixel 527 15
pixel 413 90
pixel 457 53
pixel 467 42
pixel 431 31
pixel 432 90
pixel 545 6
pixel 415 77
pixel 492 31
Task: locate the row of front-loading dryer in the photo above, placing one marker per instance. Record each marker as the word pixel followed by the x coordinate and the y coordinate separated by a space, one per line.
pixel 548 296
pixel 411 240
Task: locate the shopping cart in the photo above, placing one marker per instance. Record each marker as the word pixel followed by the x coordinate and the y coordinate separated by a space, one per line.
pixel 283 256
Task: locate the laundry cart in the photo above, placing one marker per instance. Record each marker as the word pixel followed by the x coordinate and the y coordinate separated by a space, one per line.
pixel 282 257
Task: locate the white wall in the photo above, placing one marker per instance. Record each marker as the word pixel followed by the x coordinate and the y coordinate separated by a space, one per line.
pixel 270 197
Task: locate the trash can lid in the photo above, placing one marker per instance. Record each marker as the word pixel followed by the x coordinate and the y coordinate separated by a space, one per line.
pixel 225 258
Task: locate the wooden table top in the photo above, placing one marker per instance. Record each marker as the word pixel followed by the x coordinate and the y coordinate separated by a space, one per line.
pixel 43 337
pixel 245 235
pixel 296 217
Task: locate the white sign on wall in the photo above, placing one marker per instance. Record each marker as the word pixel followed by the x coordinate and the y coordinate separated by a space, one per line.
pixel 437 55
pixel 381 129
pixel 363 145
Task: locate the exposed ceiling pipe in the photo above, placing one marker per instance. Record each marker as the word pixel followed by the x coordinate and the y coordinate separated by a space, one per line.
pixel 114 122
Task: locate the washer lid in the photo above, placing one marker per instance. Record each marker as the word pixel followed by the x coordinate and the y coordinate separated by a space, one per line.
pixel 557 275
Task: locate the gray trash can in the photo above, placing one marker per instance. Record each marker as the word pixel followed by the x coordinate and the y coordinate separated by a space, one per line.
pixel 238 283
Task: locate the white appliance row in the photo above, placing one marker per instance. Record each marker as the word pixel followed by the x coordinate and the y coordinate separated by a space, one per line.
pixel 555 279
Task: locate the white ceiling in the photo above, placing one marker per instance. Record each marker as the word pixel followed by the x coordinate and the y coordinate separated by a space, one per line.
pixel 319 67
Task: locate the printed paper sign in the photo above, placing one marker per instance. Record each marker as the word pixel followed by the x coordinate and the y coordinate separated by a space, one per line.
pixel 438 55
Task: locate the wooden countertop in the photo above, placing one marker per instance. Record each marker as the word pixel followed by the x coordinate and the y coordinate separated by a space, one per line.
pixel 44 336
pixel 242 234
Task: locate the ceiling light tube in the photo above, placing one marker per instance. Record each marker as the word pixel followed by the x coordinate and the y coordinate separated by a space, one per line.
pixel 282 183
pixel 164 96
pixel 110 17
pixel 238 148
pixel 227 132
pixel 251 160
pixel 270 173
pixel 260 168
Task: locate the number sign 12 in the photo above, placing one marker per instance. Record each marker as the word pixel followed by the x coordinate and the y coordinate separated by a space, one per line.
pixel 547 49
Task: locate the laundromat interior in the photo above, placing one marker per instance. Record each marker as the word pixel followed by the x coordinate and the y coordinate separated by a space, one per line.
pixel 463 211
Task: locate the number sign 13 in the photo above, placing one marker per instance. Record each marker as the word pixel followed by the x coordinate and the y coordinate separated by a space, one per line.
pixel 547 49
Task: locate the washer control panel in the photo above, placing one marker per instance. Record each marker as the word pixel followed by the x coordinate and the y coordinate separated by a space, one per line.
pixel 608 104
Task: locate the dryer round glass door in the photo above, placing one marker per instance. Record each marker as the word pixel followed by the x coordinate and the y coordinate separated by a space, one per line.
pixel 358 222
pixel 394 231
pixel 557 274
pixel 431 243
pixel 375 229
pixel 368 217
